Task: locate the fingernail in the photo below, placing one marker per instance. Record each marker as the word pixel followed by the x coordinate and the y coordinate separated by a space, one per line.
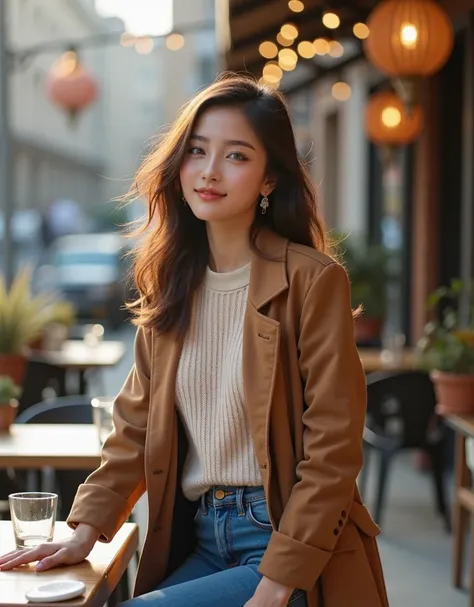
pixel 39 566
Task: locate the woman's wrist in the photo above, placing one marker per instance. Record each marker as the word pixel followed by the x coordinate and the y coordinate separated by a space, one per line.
pixel 86 535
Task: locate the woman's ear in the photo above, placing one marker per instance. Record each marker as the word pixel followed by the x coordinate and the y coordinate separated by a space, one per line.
pixel 268 186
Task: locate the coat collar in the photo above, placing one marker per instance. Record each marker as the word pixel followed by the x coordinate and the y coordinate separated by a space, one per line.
pixel 268 271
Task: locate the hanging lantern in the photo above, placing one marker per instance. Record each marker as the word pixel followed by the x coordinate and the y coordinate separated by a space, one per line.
pixel 409 40
pixel 388 125
pixel 70 85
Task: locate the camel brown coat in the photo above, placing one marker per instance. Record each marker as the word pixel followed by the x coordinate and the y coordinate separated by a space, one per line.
pixel 305 394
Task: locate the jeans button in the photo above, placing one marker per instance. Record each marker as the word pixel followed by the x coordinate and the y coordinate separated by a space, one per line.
pixel 219 494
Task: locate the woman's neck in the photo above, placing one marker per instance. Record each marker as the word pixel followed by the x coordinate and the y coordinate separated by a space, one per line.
pixel 229 249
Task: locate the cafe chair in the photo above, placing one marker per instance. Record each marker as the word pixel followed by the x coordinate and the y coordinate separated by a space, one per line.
pixel 70 410
pixel 40 379
pixel 400 416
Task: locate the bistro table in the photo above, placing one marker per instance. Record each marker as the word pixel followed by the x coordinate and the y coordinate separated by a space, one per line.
pixel 463 426
pixel 60 446
pixel 100 572
pixel 76 355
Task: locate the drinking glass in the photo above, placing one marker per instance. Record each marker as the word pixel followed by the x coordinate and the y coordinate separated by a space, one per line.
pixel 102 408
pixel 33 517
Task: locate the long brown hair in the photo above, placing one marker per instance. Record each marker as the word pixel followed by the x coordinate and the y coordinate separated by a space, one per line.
pixel 171 260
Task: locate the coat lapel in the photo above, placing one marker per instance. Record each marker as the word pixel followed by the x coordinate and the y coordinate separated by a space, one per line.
pixel 261 339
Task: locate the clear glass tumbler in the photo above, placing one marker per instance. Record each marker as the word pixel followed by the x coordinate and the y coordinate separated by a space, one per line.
pixel 33 517
pixel 102 408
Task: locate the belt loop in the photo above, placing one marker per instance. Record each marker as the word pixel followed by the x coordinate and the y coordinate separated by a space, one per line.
pixel 239 498
pixel 204 504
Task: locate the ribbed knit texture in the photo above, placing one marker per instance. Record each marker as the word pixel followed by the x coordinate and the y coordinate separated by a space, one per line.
pixel 209 388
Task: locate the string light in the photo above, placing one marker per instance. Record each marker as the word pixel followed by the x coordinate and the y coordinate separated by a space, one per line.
pixel 331 20
pixel 144 46
pixel 289 31
pixel 282 41
pixel 175 42
pixel 306 49
pixel 321 46
pixel 336 49
pixel 268 49
pixel 361 31
pixel 341 91
pixel 296 6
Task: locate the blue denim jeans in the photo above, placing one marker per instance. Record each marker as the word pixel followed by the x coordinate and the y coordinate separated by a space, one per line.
pixel 232 529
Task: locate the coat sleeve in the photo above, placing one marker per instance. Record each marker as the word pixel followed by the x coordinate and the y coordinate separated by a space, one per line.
pixel 108 495
pixel 335 399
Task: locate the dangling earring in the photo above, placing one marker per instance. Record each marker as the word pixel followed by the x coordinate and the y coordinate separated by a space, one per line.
pixel 184 200
pixel 264 204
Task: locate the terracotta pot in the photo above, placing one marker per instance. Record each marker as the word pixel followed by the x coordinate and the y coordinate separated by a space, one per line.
pixel 8 413
pixel 14 366
pixel 367 329
pixel 454 392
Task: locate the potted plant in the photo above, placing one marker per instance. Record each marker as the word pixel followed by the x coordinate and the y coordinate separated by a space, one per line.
pixel 9 393
pixel 368 270
pixel 447 351
pixel 22 320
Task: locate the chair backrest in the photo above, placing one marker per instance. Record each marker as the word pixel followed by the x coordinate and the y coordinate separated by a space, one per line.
pixel 402 406
pixel 39 377
pixel 63 410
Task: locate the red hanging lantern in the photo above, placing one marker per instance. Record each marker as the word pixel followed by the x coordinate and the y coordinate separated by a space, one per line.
pixel 388 124
pixel 70 85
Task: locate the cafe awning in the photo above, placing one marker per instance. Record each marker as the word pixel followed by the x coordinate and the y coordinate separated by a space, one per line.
pixel 251 22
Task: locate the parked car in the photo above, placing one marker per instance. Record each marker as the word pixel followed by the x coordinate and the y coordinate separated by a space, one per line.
pixel 91 272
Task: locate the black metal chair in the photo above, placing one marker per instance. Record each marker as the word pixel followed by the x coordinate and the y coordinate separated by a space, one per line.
pixel 62 410
pixel 401 415
pixel 40 377
pixel 70 410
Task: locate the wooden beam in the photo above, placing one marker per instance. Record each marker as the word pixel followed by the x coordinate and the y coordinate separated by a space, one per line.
pixel 320 73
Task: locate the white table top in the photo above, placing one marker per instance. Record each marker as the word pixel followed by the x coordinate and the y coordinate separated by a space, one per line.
pixel 61 446
pixel 75 354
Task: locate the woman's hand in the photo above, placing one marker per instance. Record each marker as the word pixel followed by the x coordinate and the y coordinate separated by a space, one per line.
pixel 69 551
pixel 270 594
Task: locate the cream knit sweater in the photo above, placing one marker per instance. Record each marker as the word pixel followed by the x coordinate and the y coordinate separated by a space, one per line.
pixel 209 388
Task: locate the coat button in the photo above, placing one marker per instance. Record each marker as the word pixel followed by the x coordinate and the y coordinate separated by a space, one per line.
pixel 336 531
pixel 262 466
pixel 341 523
pixel 157 528
pixel 343 514
pixel 157 471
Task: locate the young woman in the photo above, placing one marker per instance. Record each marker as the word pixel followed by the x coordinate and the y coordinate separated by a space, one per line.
pixel 243 414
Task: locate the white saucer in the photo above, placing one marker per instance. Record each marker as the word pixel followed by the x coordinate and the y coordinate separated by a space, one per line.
pixel 56 591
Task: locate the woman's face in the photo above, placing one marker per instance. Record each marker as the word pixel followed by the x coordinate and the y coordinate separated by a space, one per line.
pixel 224 171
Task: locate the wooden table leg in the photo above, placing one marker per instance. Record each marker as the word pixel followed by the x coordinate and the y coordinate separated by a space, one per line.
pixel 459 513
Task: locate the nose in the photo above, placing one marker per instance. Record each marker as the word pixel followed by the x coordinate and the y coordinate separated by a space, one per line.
pixel 211 171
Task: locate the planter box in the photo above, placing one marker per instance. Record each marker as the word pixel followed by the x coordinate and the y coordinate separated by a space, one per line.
pixel 8 413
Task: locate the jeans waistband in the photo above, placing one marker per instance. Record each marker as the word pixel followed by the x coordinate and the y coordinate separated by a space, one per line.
pixel 224 496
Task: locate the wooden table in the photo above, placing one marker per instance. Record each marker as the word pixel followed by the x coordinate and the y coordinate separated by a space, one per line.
pixel 463 425
pixel 61 446
pixel 75 355
pixel 372 360
pixel 100 573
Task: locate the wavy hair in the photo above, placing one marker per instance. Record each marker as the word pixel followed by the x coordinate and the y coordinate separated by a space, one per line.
pixel 170 261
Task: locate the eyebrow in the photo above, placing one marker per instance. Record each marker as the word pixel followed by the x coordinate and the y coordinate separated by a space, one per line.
pixel 228 141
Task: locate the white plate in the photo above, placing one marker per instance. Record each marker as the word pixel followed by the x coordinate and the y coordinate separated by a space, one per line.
pixel 56 591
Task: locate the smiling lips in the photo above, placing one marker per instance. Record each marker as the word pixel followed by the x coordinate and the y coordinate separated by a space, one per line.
pixel 209 194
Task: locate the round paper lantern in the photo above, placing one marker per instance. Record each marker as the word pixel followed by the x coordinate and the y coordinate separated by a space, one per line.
pixel 409 37
pixel 70 85
pixel 387 122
